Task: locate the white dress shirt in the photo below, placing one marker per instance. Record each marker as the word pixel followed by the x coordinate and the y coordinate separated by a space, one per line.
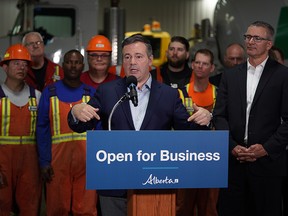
pixel 253 77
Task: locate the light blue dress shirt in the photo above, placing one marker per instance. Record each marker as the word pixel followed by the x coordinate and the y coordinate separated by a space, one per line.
pixel 138 112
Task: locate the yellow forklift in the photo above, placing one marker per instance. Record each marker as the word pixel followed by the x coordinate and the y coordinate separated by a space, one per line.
pixel 159 40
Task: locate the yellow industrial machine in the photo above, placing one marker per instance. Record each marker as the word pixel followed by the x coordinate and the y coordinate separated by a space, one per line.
pixel 159 40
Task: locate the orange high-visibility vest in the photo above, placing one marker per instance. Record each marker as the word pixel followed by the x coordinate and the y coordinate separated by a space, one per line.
pixel 18 124
pixel 60 129
pixel 205 99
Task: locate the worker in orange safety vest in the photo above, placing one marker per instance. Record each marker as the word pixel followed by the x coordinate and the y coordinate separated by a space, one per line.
pixel 20 182
pixel 62 152
pixel 202 93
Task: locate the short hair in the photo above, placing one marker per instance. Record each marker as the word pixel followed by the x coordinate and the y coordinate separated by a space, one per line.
pixel 138 38
pixel 73 51
pixel 31 33
pixel 233 44
pixel 181 40
pixel 267 26
pixel 206 52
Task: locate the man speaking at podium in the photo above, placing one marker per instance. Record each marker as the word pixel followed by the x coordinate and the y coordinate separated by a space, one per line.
pixel 154 106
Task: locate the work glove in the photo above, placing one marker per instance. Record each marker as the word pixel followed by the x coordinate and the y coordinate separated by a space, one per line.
pixel 47 173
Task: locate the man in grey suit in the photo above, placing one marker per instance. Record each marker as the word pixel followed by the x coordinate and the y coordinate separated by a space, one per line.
pixel 159 108
pixel 252 103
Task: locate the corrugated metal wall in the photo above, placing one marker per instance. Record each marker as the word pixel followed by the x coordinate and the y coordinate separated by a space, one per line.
pixel 176 17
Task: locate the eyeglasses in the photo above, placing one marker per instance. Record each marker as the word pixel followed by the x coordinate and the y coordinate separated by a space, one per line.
pixel 34 43
pixel 96 56
pixel 255 38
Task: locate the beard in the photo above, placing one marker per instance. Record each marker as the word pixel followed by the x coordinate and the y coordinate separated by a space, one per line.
pixel 177 63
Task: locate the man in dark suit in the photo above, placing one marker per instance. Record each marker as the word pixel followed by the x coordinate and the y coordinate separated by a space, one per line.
pixel 252 103
pixel 159 108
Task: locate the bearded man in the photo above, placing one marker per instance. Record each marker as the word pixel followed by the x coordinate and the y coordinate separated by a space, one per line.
pixel 176 71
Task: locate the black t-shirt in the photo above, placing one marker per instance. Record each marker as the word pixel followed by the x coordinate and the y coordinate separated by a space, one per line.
pixel 40 75
pixel 176 79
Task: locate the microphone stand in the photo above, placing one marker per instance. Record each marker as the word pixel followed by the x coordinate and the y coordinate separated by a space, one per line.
pixel 122 99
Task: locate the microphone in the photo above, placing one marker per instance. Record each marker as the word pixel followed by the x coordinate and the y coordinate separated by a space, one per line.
pixel 122 99
pixel 131 82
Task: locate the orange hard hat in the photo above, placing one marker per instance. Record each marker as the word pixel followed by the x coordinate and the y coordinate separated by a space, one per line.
pixel 16 51
pixel 99 43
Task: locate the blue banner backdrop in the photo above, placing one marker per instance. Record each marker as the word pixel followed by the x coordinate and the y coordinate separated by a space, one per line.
pixel 156 159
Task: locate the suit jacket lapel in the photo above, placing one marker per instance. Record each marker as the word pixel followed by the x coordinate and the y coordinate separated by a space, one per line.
pixel 266 74
pixel 241 84
pixel 121 89
pixel 155 93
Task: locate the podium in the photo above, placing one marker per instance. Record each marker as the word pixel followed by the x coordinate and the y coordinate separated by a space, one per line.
pixel 152 165
pixel 154 202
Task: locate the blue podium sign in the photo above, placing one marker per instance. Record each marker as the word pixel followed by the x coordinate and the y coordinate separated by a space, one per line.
pixel 156 159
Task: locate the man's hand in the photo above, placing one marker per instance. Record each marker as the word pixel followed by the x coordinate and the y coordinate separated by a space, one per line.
pixel 200 116
pixel 47 174
pixel 257 150
pixel 250 154
pixel 242 154
pixel 84 112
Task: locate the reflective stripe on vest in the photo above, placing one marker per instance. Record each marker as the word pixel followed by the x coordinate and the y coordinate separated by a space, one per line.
pixel 17 140
pixel 68 137
pixel 85 98
pixel 5 116
pixel 5 138
pixel 186 96
pixel 33 111
pixel 56 75
pixel 57 137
